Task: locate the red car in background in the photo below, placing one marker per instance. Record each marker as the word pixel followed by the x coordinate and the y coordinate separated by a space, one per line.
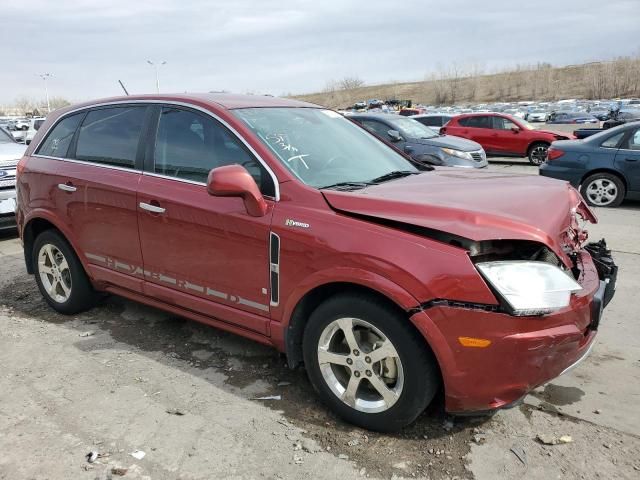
pixel 504 135
pixel 289 224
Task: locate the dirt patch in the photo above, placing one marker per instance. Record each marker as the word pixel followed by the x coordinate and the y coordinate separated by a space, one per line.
pixel 435 446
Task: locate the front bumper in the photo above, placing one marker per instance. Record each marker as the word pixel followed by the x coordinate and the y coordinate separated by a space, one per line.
pixel 524 352
pixel 7 209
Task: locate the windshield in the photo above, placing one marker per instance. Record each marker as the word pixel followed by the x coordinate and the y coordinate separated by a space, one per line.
pixel 411 128
pixel 322 148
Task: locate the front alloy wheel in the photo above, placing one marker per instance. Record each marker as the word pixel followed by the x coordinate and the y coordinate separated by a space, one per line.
pixel 360 365
pixel 538 154
pixel 368 363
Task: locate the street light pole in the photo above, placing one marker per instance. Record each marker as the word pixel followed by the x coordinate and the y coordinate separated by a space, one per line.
pixel 157 67
pixel 44 77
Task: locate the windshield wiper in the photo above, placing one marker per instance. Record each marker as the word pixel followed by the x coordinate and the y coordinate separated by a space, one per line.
pixel 347 185
pixel 393 175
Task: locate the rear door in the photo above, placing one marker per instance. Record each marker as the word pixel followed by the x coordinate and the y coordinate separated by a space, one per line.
pixel 503 138
pixel 476 128
pixel 202 252
pixel 99 160
pixel 628 159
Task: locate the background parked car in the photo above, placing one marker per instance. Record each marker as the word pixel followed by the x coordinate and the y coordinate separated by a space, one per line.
pixel 621 117
pixel 605 166
pixel 422 143
pixel 572 117
pixel 34 125
pixel 504 135
pixel 537 116
pixel 433 120
pixel 10 153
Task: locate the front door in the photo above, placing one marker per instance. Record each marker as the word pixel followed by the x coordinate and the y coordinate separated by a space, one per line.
pixel 628 159
pixel 201 252
pixel 503 138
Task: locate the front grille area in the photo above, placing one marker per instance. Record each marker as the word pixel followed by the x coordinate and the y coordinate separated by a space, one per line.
pixel 477 156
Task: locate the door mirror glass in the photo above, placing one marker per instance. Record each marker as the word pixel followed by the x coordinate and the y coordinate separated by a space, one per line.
pixel 235 181
pixel 394 135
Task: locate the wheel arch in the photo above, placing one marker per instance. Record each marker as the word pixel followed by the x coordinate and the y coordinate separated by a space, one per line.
pixel 37 223
pixel 611 171
pixel 537 142
pixel 304 306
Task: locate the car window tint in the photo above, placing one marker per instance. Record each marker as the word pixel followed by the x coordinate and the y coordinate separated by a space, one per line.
pixel 613 141
pixel 189 145
pixel 430 121
pixel 476 122
pixel 376 128
pixel 110 136
pixel 634 141
pixel 57 142
pixel 501 123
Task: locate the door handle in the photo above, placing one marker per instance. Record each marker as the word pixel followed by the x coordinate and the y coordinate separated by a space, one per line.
pixel 630 159
pixel 67 187
pixel 151 208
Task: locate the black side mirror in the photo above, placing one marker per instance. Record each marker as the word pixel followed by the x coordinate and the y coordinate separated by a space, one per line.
pixel 394 136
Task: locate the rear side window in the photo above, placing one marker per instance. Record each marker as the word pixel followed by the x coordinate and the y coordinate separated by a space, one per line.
pixel 189 145
pixel 111 136
pixel 57 142
pixel 612 142
pixel 476 122
pixel 430 121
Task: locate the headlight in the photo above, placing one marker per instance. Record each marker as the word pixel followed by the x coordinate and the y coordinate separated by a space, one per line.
pixel 457 153
pixel 530 288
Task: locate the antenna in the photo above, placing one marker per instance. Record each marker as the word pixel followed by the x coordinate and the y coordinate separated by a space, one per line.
pixel 123 87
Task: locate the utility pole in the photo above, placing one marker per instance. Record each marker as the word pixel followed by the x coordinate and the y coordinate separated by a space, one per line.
pixel 44 77
pixel 157 66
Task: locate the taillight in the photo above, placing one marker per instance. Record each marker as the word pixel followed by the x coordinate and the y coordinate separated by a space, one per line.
pixel 554 153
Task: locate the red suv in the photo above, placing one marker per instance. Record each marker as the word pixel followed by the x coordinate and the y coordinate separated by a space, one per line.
pixel 504 135
pixel 288 224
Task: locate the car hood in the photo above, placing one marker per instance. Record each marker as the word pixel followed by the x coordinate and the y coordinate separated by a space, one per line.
pixel 11 151
pixel 477 206
pixel 449 141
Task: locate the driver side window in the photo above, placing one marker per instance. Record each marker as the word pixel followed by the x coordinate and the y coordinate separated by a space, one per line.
pixel 377 128
pixel 501 123
pixel 189 144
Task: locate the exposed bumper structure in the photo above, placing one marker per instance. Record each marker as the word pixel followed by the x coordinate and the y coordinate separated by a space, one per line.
pixel 524 352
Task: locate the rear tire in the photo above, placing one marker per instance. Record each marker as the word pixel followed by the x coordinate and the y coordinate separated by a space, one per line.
pixel 60 275
pixel 537 153
pixel 393 372
pixel 603 190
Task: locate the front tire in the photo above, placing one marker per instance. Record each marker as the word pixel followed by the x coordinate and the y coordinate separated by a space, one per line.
pixel 537 153
pixel 603 190
pixel 59 274
pixel 367 363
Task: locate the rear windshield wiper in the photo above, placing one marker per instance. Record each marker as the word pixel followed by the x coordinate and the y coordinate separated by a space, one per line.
pixel 346 185
pixel 393 175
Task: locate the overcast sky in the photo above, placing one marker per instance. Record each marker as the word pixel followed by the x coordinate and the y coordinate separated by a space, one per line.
pixel 267 46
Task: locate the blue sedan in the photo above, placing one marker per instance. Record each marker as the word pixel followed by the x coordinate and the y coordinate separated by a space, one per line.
pixel 605 167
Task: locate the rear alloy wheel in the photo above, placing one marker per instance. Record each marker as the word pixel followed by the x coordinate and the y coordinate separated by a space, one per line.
pixel 603 190
pixel 538 153
pixel 367 363
pixel 59 274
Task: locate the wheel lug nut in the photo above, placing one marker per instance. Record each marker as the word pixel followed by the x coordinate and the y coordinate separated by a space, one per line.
pixel 367 359
pixel 349 361
pixel 356 353
pixel 356 374
pixel 368 373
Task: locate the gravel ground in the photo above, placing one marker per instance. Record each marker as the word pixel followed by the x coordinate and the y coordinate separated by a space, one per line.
pixel 124 377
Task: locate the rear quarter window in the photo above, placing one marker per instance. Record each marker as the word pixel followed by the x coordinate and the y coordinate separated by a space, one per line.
pixel 58 140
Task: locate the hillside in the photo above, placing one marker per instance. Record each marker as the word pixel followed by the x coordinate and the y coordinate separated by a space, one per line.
pixel 598 80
